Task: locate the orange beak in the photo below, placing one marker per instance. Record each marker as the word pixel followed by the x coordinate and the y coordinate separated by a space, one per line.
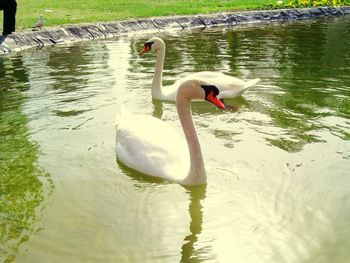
pixel 214 99
pixel 145 49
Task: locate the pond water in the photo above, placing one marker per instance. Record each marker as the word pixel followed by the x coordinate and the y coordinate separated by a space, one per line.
pixel 278 169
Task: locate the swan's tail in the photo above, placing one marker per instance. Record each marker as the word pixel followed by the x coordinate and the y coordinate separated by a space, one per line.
pixel 250 83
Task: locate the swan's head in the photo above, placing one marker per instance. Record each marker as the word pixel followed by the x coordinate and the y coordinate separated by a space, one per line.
pixel 154 44
pixel 197 90
pixel 211 95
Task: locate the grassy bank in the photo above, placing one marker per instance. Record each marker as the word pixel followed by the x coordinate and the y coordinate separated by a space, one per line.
pixel 58 12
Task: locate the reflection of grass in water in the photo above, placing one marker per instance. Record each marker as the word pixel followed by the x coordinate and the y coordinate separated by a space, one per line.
pixel 300 131
pixel 21 183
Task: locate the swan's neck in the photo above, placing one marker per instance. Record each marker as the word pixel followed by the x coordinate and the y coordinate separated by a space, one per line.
pixel 196 174
pixel 158 72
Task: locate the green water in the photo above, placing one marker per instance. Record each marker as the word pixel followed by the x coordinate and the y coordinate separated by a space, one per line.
pixel 278 169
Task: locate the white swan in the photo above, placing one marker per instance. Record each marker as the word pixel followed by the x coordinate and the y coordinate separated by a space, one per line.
pixel 230 87
pixel 149 145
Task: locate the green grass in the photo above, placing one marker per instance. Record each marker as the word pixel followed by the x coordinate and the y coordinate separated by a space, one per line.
pixel 60 12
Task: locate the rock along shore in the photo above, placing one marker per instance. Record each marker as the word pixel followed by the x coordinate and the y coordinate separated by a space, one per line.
pixel 29 39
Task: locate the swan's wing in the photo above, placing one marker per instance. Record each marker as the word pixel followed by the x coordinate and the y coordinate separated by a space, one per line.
pixel 235 89
pixel 222 81
pixel 150 146
pixel 229 86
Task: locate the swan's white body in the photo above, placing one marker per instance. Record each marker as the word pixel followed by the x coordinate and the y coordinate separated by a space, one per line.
pixel 151 146
pixel 230 87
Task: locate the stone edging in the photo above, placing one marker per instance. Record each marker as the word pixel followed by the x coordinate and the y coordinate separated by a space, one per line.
pixel 29 39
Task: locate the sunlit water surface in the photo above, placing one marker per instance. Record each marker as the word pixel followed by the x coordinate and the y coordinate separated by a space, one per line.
pixel 278 169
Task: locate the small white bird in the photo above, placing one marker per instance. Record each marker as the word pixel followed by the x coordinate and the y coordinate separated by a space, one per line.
pixel 39 24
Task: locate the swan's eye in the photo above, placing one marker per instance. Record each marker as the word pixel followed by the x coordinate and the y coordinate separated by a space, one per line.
pixel 148 44
pixel 210 89
pixel 215 90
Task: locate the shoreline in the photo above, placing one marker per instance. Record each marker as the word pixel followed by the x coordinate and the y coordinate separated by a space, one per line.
pixel 83 32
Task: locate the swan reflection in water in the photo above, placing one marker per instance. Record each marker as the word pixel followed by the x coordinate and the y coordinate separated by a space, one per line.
pixel 196 195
